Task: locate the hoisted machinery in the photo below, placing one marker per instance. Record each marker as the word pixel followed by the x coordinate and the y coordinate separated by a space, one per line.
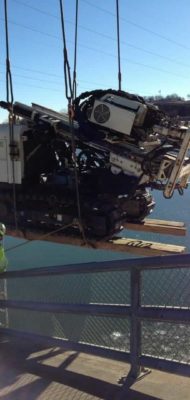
pixel 89 172
pixel 124 147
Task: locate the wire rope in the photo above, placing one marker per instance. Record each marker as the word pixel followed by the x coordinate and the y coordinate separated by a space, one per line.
pixel 40 237
pixel 118 45
pixel 70 96
pixel 67 73
pixel 75 54
pixel 173 61
pixel 10 100
pixel 168 39
pixel 143 28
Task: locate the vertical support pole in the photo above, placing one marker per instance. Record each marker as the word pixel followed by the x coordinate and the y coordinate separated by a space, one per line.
pixel 6 309
pixel 135 330
pixel 4 317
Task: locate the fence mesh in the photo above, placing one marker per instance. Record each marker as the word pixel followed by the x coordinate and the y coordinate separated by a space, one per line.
pixel 107 288
pixel 107 332
pixel 166 340
pixel 166 288
pixel 101 288
pixel 161 288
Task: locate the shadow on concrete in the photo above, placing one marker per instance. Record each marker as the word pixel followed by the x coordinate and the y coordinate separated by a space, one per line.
pixel 19 357
pixel 128 393
pixel 30 391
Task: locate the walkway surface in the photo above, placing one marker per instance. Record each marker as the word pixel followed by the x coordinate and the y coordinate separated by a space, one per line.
pixel 29 371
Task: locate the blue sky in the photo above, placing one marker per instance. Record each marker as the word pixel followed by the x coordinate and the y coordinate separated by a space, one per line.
pixel 155 48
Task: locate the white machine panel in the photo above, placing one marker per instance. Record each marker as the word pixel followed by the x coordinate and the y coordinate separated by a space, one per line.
pixel 131 167
pixel 4 176
pixel 134 106
pixel 6 166
pixel 118 114
pixel 112 117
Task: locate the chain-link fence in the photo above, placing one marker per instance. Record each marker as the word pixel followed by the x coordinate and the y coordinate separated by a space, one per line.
pixel 166 288
pixel 96 288
pixel 159 289
pixel 3 311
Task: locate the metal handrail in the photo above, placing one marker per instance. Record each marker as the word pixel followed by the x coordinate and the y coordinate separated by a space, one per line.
pixel 149 263
pixel 135 311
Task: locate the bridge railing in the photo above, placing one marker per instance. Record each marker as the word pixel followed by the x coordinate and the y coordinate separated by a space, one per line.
pixel 135 310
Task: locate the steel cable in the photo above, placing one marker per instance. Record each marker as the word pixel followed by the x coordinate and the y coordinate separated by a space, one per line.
pixel 10 100
pixel 70 96
pixel 118 45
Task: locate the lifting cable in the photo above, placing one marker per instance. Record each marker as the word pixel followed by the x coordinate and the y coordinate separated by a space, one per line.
pixel 10 100
pixel 40 237
pixel 75 54
pixel 70 92
pixel 67 74
pixel 118 45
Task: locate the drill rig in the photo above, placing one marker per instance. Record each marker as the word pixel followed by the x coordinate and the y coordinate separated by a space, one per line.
pixel 122 148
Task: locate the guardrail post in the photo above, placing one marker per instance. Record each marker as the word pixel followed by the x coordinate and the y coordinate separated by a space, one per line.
pixel 4 311
pixel 135 330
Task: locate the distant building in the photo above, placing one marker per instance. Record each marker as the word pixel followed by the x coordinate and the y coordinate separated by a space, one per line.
pixel 175 108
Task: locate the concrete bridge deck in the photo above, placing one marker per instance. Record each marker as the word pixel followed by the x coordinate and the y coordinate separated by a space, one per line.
pixel 30 371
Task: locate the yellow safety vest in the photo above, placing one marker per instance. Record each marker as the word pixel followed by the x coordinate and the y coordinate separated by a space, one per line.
pixel 3 260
